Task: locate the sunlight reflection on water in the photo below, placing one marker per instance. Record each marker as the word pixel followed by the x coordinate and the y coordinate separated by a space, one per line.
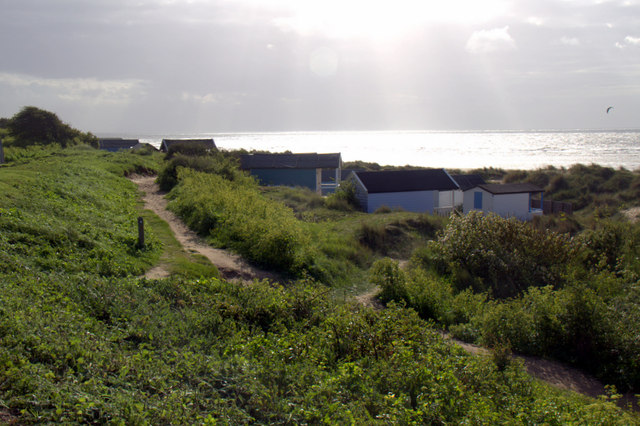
pixel 461 150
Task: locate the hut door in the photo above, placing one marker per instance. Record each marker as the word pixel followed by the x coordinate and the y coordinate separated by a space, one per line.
pixel 477 200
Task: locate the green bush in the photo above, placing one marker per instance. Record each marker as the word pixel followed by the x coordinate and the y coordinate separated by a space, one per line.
pixel 187 148
pixel 387 275
pixel 344 198
pixel 34 126
pixel 505 256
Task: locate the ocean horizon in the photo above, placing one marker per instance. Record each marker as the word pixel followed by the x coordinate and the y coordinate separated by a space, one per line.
pixel 506 149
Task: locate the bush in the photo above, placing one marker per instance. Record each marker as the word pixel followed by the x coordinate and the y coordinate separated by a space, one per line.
pixel 386 274
pixel 505 256
pixel 344 199
pixel 188 148
pixel 34 126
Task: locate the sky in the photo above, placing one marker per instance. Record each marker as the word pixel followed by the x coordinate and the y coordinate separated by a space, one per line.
pixel 154 66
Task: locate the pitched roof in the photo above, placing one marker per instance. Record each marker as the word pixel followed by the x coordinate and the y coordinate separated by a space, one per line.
pixel 117 143
pixel 468 181
pixel 290 161
pixel 510 188
pixel 166 143
pixel 407 180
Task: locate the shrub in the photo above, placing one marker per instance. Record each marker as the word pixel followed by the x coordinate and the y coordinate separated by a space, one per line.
pixel 344 198
pixel 386 274
pixel 506 255
pixel 34 126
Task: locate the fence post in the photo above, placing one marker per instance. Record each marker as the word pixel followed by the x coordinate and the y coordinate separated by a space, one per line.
pixel 140 232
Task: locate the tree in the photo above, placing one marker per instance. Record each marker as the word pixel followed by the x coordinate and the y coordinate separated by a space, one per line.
pixel 34 126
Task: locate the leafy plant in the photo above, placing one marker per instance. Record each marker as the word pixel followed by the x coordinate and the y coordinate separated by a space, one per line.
pixel 505 256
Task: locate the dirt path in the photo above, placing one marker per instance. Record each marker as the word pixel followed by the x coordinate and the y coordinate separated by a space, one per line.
pixel 633 214
pixel 231 266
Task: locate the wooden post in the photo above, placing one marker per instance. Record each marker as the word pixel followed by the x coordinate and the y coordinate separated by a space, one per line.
pixel 1 153
pixel 140 232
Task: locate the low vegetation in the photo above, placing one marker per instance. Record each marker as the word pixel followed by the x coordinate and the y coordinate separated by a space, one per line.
pixel 85 339
pixel 501 282
pixel 595 189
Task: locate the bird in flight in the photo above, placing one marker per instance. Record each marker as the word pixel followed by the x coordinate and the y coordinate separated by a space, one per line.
pixel 609 109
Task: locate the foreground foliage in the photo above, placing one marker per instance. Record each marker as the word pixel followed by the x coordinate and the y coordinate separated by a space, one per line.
pixel 502 283
pixel 86 344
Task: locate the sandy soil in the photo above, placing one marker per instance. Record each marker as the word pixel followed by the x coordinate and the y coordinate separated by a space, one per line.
pixel 231 266
pixel 633 214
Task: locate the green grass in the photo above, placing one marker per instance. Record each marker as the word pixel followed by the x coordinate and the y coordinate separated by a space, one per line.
pixel 174 258
pixel 78 210
pixel 84 344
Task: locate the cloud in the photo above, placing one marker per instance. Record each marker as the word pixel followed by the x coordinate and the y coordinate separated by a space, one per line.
pixel 570 41
pixel 208 98
pixel 534 20
pixel 88 90
pixel 632 40
pixel 488 41
pixel 628 41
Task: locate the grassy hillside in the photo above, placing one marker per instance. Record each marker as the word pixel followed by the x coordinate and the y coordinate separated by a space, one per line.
pixel 84 340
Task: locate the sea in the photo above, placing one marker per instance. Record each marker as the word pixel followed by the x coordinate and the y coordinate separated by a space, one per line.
pixel 525 150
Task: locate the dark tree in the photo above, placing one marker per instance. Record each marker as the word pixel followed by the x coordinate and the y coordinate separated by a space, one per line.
pixel 34 126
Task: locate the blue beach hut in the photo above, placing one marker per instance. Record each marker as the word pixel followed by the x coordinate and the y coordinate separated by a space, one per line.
pixel 304 170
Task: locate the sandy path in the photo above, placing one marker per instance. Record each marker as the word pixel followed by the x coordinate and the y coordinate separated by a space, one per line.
pixel 633 214
pixel 231 266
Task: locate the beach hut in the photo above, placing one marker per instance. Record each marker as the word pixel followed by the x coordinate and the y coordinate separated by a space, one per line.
pixel 304 170
pixel 116 144
pixel 506 200
pixel 424 191
pixel 208 143
pixel 465 182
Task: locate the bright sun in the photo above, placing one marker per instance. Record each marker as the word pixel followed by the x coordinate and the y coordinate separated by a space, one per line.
pixel 381 19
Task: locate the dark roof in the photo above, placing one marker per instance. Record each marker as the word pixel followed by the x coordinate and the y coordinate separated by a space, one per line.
pixel 166 143
pixel 407 180
pixel 117 143
pixel 290 161
pixel 510 188
pixel 145 145
pixel 468 181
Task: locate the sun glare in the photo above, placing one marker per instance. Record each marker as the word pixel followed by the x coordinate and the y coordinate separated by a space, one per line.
pixel 381 20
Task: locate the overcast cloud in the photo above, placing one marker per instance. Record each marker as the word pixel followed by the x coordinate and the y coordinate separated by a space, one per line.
pixel 158 66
